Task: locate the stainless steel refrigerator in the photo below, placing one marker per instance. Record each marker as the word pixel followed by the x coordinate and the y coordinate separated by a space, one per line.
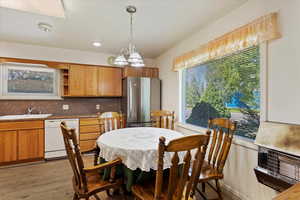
pixel 140 96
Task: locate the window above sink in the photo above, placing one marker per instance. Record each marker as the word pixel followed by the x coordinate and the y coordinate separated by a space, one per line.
pixel 28 81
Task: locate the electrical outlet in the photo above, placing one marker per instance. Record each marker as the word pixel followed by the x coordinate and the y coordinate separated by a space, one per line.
pixel 65 107
pixel 97 107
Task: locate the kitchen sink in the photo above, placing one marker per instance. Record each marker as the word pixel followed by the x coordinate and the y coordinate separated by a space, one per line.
pixel 29 116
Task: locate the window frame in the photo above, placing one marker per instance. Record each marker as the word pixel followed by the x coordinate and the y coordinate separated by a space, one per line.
pixel 4 94
pixel 263 51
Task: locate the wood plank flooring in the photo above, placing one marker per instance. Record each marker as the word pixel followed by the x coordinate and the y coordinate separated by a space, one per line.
pixel 42 181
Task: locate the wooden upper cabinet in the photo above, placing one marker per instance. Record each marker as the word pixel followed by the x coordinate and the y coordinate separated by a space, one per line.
pixel 83 80
pixel 76 80
pixel 80 80
pixel 132 72
pixel 140 72
pixel 91 81
pixel 109 81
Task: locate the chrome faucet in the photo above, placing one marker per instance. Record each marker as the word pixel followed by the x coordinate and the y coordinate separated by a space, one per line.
pixel 29 110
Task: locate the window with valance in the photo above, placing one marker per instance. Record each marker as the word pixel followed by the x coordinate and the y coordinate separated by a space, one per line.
pixel 222 77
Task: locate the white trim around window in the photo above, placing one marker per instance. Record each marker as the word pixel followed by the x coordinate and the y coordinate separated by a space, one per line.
pixel 264 81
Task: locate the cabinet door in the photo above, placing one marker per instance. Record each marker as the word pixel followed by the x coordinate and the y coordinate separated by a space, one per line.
pixel 131 72
pixel 91 81
pixel 77 80
pixel 140 72
pixel 8 146
pixel 83 80
pixel 110 81
pixel 154 73
pixel 146 72
pixel 30 144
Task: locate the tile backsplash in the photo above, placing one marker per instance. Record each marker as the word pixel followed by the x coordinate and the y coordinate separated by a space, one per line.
pixel 77 106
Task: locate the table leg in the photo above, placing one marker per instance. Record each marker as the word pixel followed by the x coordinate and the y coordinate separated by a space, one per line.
pixel 129 177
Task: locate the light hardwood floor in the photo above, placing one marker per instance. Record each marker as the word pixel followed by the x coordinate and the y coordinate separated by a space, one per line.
pixel 43 181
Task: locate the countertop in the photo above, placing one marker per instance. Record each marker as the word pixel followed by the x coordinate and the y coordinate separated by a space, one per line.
pixel 53 117
pixel 71 116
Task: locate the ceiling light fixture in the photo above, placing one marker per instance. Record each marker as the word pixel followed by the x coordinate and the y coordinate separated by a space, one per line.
pixel 129 55
pixel 45 27
pixel 97 44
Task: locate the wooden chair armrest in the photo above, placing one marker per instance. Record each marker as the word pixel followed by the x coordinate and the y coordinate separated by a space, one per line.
pixel 103 165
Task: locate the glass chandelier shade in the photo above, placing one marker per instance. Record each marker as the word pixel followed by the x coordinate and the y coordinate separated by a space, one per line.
pixel 135 57
pixel 137 64
pixel 121 60
pixel 130 56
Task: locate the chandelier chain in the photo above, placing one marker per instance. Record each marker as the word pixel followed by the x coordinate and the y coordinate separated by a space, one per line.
pixel 131 29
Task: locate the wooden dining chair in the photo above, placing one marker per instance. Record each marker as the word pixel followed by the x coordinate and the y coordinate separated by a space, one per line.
pixel 87 181
pixel 193 149
pixel 222 134
pixel 108 121
pixel 111 121
pixel 163 119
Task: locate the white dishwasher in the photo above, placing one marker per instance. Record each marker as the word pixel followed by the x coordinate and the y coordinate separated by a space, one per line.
pixel 54 142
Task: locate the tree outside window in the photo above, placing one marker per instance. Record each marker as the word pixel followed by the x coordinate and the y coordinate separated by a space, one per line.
pixel 227 87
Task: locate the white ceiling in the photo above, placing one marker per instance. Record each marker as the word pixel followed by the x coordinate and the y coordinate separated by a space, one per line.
pixel 158 24
pixel 52 8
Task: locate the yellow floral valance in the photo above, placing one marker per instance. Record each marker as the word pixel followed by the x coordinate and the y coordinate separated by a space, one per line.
pixel 260 30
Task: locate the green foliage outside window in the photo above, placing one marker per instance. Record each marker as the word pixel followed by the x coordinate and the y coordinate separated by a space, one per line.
pixel 227 87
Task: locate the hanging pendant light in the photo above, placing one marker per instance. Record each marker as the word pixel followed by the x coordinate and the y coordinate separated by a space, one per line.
pixel 130 56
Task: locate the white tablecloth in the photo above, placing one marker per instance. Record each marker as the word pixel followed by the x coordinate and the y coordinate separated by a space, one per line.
pixel 137 147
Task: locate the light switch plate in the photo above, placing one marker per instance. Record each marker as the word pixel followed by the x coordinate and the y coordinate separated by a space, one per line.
pixel 65 107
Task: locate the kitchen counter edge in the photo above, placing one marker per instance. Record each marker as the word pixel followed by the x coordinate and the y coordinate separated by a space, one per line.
pixel 52 117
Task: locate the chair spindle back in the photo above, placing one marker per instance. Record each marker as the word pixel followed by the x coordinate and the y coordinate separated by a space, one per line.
pixel 111 121
pixel 74 157
pixel 222 135
pixel 193 148
pixel 163 119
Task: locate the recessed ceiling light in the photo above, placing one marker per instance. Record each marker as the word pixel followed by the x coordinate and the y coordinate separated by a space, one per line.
pixel 45 27
pixel 97 44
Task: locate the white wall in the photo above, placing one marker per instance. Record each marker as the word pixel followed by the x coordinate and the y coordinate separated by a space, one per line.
pixel 17 50
pixel 283 83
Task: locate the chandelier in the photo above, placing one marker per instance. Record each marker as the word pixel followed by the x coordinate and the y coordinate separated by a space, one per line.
pixel 129 55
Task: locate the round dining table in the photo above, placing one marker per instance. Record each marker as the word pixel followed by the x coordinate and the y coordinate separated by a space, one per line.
pixel 138 149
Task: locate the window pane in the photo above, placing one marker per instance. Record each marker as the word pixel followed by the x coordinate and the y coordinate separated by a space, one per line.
pixel 30 81
pixel 226 87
